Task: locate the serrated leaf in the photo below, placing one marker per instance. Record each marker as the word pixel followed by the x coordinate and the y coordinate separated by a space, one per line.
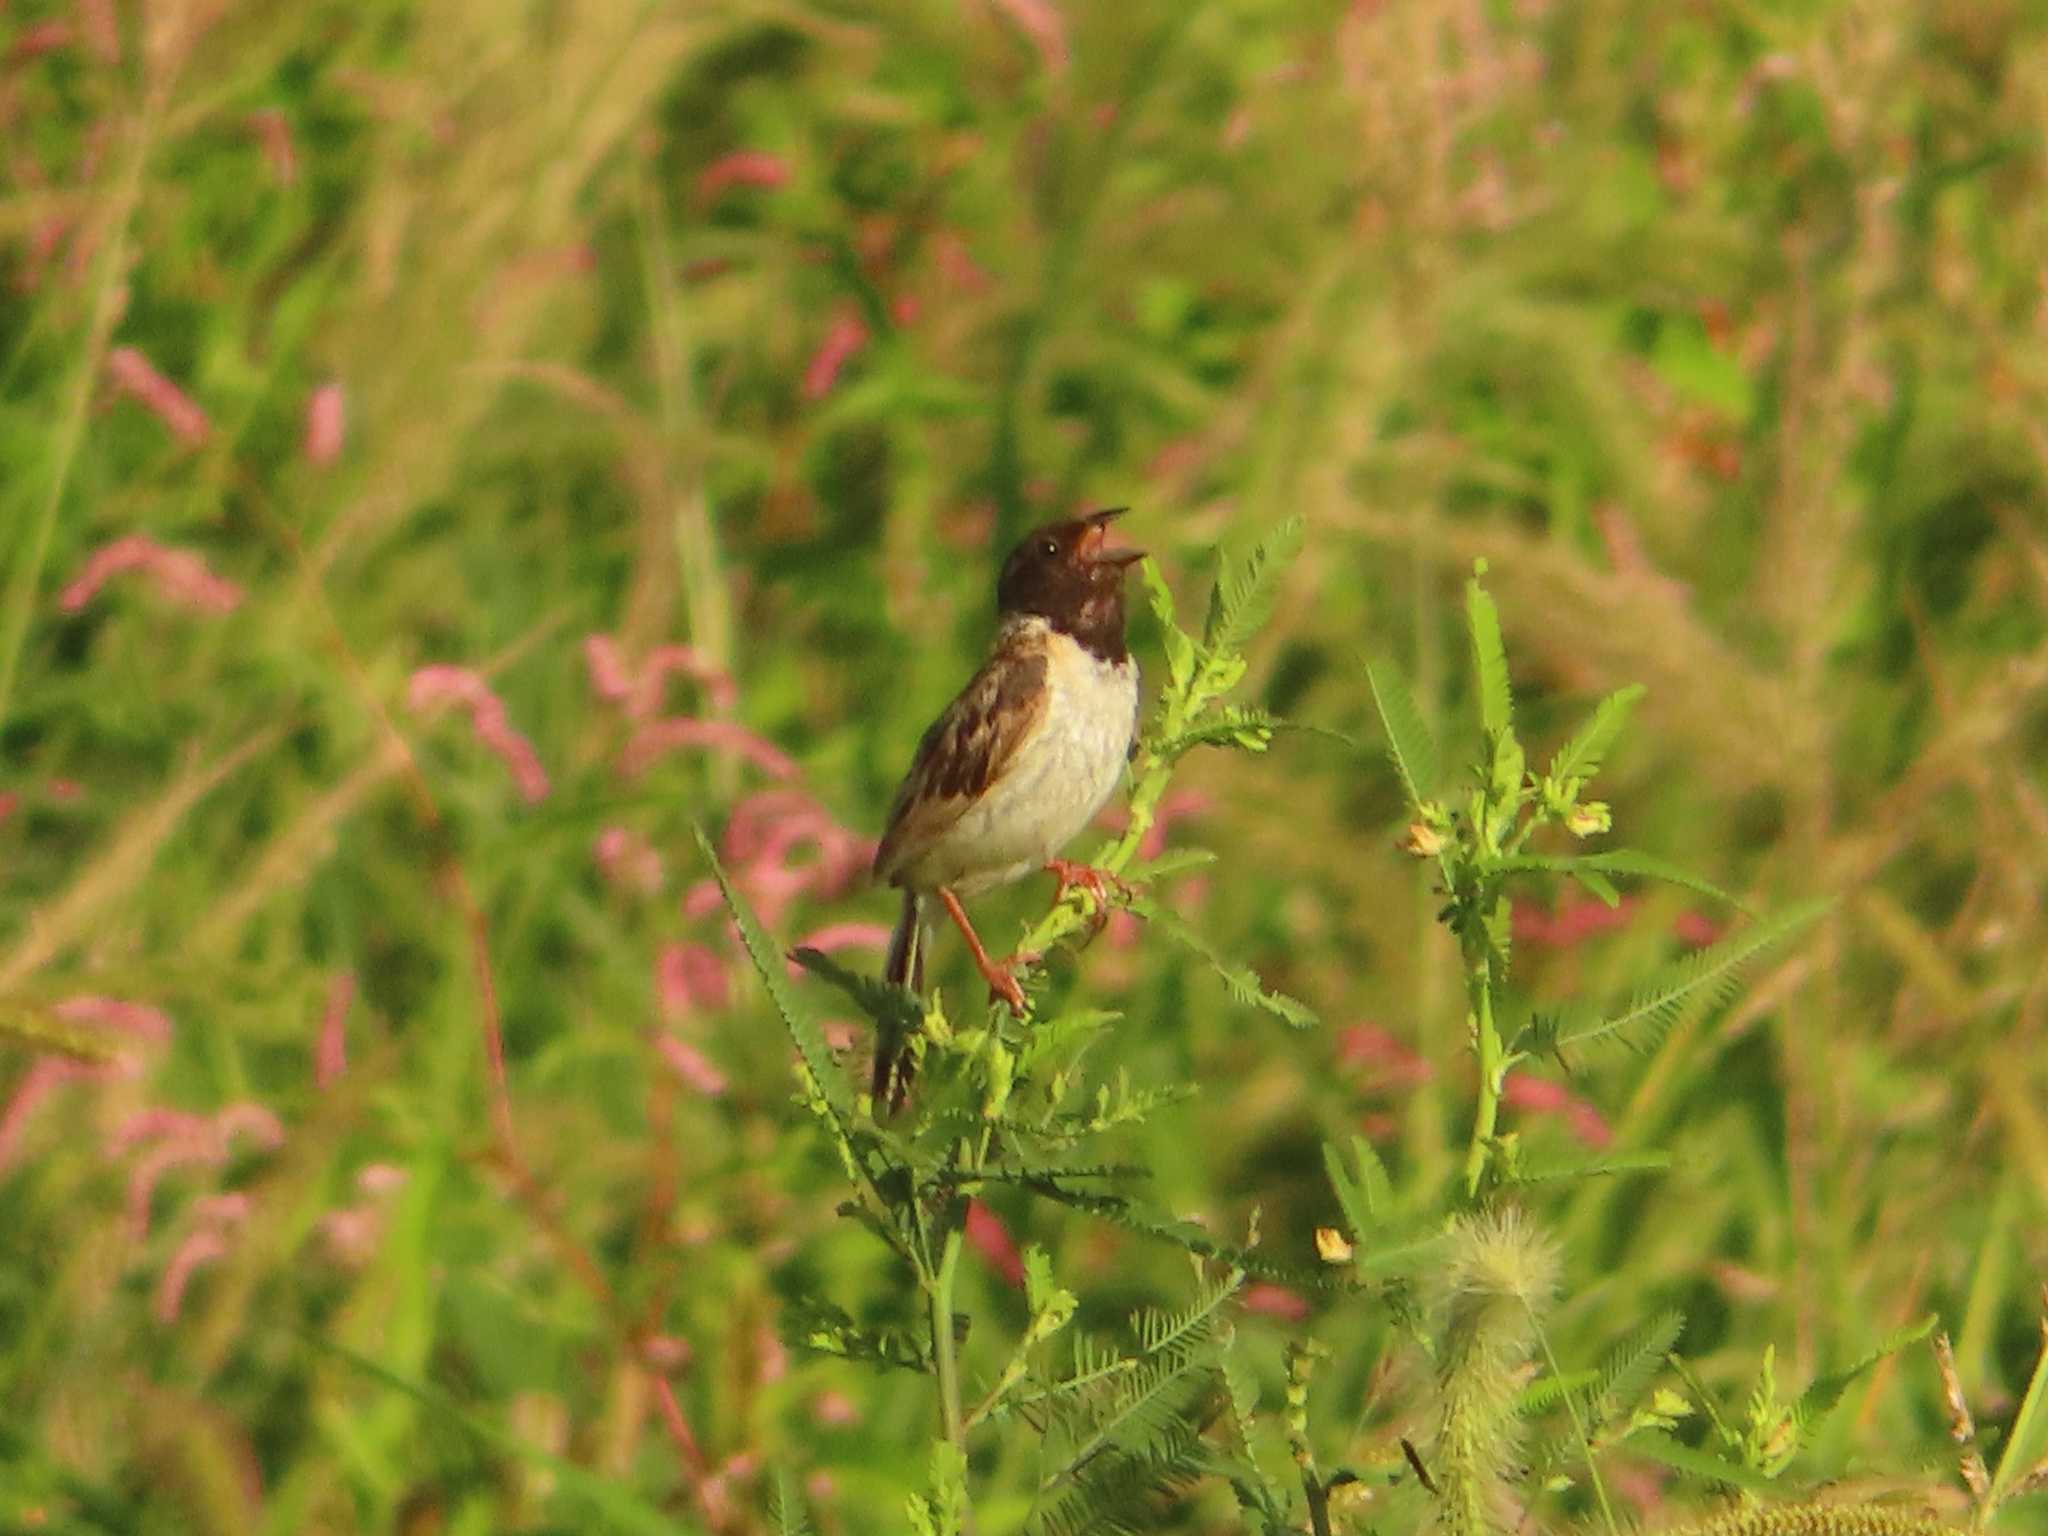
pixel 2029 1432
pixel 1708 976
pixel 1819 1399
pixel 1247 584
pixel 1628 861
pixel 1409 742
pixel 1585 754
pixel 896 1011
pixel 1681 1457
pixel 1530 1172
pixel 1180 650
pixel 786 1509
pixel 768 963
pixel 1239 980
pixel 1489 661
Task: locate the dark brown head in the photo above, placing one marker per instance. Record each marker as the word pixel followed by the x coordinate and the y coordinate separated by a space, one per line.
pixel 1064 574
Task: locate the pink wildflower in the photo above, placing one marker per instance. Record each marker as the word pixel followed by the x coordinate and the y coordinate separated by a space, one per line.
pixel 179 576
pixel 43 37
pixel 203 1245
pixel 330 1049
pixel 1572 923
pixel 837 936
pixel 435 686
pixel 628 861
pixel 137 377
pixel 690 978
pixel 1381 1060
pixel 691 1065
pixel 834 1410
pixel 1542 1096
pixel 326 425
pixel 1041 22
pixel 639 693
pixel 1695 928
pixel 42 1079
pixel 140 1020
pixel 1266 1299
pixel 274 133
pixel 742 168
pixel 987 1236
pixel 101 28
pixel 844 338
pixel 660 737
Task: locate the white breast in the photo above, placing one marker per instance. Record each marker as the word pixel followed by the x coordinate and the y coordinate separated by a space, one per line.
pixel 1059 778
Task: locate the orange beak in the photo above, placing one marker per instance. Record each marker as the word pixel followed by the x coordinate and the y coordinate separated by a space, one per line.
pixel 1097 538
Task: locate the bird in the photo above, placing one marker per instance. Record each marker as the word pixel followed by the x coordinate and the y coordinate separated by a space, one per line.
pixel 1019 762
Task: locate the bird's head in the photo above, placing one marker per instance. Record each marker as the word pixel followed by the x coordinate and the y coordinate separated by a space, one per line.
pixel 1066 574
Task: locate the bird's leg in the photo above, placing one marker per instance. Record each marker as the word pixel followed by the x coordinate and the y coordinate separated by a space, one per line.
pixel 1092 879
pixel 1002 981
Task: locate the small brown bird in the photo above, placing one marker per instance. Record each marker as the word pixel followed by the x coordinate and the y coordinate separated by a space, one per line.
pixel 1021 761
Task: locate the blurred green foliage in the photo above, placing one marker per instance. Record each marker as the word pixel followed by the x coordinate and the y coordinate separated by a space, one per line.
pixel 757 327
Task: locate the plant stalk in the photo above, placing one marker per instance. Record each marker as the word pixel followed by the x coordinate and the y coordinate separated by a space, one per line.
pixel 1479 985
pixel 944 1356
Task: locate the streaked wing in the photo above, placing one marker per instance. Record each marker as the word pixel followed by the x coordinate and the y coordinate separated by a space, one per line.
pixel 963 753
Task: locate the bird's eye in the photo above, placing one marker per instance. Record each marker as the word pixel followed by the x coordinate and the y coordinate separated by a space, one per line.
pixel 1048 548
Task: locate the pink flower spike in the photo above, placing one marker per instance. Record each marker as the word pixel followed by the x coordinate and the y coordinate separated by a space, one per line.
pixel 202 1246
pixel 102 29
pixel 326 425
pixel 610 677
pixel 330 1048
pixel 691 1065
pixel 844 337
pixel 9 803
pixel 179 576
pixel 987 1236
pixel 692 663
pixel 660 737
pixel 207 1150
pixel 1041 22
pixel 665 1353
pixel 834 1410
pixel 1695 928
pixel 1266 1299
pixel 743 168
pixel 380 1178
pixel 251 1120
pixel 837 936
pixel 44 37
pixel 627 860
pixel 155 1124
pixel 137 1019
pixel 222 1210
pixel 351 1233
pixel 435 686
pixel 690 978
pixel 1540 1095
pixel 274 133
pixel 36 1085
pixel 136 377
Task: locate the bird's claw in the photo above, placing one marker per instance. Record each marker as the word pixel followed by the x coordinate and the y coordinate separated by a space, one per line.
pixel 1093 879
pixel 1001 976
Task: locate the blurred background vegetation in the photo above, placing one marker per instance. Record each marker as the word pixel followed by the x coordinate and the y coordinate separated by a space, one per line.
pixel 360 359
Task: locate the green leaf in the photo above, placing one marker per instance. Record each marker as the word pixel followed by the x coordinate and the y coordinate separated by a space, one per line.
pixel 1180 650
pixel 1409 742
pixel 1586 752
pixel 1819 1399
pixel 1247 583
pixel 1593 1167
pixel 892 1008
pixel 1660 1447
pixel 768 963
pixel 1489 662
pixel 1707 977
pixel 1627 861
pixel 786 1508
pixel 1239 980
pixel 2025 1441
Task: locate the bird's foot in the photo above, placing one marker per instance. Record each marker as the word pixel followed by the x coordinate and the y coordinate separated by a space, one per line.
pixel 1093 879
pixel 1001 976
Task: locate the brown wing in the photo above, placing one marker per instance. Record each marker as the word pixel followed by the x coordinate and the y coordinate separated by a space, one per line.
pixel 963 753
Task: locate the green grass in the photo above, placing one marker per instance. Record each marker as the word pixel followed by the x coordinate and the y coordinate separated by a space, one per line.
pixel 1716 330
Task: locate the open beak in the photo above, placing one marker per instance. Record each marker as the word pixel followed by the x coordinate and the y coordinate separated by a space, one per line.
pixel 1098 536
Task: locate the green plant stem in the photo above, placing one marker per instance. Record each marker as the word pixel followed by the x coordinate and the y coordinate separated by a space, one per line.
pixel 1479 986
pixel 944 1356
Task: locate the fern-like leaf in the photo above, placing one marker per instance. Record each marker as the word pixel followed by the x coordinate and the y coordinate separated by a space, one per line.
pixel 1584 755
pixel 1489 661
pixel 768 963
pixel 1707 977
pixel 1240 981
pixel 1409 742
pixel 1247 583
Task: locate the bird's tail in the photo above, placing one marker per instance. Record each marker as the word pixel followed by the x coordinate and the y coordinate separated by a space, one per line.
pixel 904 968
